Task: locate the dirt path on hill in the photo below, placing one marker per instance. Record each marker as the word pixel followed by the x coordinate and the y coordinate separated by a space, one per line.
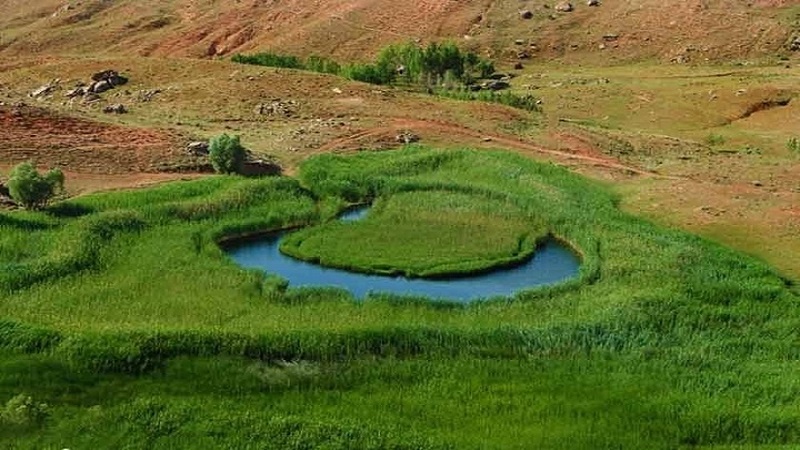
pixel 440 128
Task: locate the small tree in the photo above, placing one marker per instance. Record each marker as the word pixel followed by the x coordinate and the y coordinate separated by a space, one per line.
pixel 226 154
pixel 32 189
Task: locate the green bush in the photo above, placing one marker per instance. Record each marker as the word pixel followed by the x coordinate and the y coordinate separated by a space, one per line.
pixel 526 102
pixel 322 65
pixel 226 154
pixel 32 189
pixel 269 60
pixel 715 139
pixel 22 410
pixel 793 144
pixel 369 73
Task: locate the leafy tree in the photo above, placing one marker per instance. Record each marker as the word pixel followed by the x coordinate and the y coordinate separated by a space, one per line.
pixel 32 189
pixel 226 154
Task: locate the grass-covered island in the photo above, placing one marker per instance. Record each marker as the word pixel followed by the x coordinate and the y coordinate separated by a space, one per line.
pixel 124 325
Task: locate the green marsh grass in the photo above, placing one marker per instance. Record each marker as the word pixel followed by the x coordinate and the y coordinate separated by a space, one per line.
pixel 424 233
pixel 125 316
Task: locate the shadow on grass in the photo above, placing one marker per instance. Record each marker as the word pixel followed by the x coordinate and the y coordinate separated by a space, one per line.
pixel 69 210
pixel 22 224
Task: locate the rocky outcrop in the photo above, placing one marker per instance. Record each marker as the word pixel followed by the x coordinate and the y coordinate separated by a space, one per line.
pixel 116 108
pixel 407 137
pixel 45 90
pixel 197 148
pixel 564 7
pixel 277 107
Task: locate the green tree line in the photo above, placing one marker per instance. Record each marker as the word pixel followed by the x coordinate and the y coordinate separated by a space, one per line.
pixel 434 64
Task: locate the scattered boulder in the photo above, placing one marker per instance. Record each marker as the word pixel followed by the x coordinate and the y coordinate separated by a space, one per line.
pixel 90 97
pixel 117 108
pixel 111 76
pixel 147 95
pixel 593 2
pixel 100 76
pixel 564 7
pixel 6 202
pixel 45 90
pixel 681 59
pixel 98 87
pixel 518 66
pixel 198 148
pixel 500 76
pixel 794 44
pixel 407 137
pixel 79 91
pixel 277 107
pixel 496 85
pixel 526 14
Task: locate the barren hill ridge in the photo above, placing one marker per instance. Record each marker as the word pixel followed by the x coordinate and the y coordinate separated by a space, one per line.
pixel 623 30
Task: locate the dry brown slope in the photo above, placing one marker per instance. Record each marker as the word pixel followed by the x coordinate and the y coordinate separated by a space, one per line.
pixel 693 29
pixel 347 28
pixel 624 30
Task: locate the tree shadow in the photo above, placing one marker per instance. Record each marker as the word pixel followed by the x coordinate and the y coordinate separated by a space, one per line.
pixel 68 210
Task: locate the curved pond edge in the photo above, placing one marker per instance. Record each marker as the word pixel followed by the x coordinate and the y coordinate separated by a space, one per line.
pixel 456 288
pixel 528 247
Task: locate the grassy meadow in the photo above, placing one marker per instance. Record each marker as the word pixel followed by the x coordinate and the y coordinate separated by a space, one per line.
pixel 122 314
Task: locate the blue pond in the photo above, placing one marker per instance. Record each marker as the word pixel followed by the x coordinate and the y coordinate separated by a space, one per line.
pixel 551 264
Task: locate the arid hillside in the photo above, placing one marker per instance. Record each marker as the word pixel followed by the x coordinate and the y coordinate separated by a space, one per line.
pixel 614 31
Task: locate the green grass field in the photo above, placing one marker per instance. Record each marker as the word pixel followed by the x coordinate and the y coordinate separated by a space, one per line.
pixel 123 315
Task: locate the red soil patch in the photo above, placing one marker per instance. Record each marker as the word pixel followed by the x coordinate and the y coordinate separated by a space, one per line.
pixel 34 134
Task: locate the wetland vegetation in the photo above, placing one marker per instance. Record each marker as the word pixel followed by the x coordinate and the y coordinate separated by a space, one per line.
pixel 126 323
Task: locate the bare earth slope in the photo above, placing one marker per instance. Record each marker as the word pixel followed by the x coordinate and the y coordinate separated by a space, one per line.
pixel 625 29
pixel 210 28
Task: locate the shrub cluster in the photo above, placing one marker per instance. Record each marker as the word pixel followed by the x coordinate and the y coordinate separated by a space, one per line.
pixel 435 64
pixel 226 154
pixel 22 410
pixel 443 68
pixel 32 189
pixel 793 144
pixel 526 102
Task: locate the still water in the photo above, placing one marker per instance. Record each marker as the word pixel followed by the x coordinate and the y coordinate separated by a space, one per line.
pixel 552 263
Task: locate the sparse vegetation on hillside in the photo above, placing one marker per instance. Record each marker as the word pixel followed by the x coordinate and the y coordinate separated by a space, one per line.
pixel 410 63
pixel 441 69
pixel 793 144
pixel 526 102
